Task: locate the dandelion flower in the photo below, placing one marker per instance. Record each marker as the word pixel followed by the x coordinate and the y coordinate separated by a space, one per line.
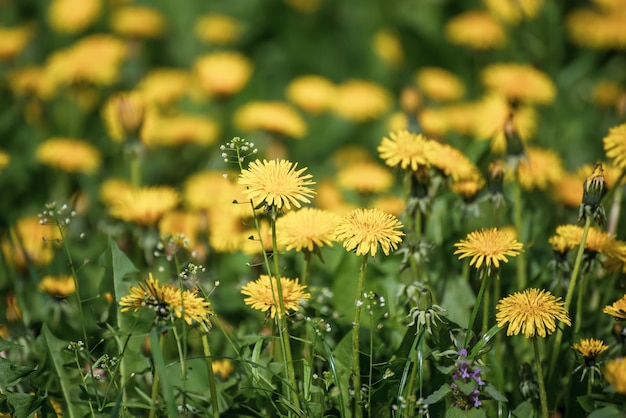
pixel 361 100
pixel 144 206
pixel 597 240
pixel 519 83
pixel 276 183
pixel 137 22
pixel 30 242
pixel 263 295
pixel 69 155
pixel 365 177
pixel 533 312
pixel 164 86
pixel 306 229
pixel 14 41
pixel 59 287
pixel 440 84
pixel 311 93
pixel 488 246
pixel 222 368
pixel 478 30
pixel 615 145
pixel 541 170
pixel 513 12
pixel 5 159
pixel 615 373
pixel 590 349
pixel 388 47
pixel 364 230
pixel 169 302
pixel 73 16
pixel 273 117
pixel 223 73
pixel 217 29
pixel 179 130
pixel 405 149
pixel 617 309
pixel 123 114
pixel 451 161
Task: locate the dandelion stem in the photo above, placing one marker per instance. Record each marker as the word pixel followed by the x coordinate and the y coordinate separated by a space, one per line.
pixel 470 326
pixel 356 326
pixel 155 383
pixel 542 387
pixel 521 258
pixel 211 376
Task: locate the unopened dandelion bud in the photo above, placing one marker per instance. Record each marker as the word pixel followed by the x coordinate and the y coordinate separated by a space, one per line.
pixel 594 187
pixel 514 143
pixel 496 177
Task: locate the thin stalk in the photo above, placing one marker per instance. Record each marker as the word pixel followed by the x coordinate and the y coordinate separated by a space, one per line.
pixel 210 374
pixel 614 213
pixel 542 386
pixel 356 326
pixel 155 383
pixel 579 303
pixel 521 258
pixel 371 365
pixel 479 298
pixel 570 293
pixel 135 169
pixel 485 325
pixel 417 368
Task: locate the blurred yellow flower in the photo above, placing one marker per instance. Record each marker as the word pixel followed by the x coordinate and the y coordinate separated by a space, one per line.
pixel 391 204
pixel 111 189
pixel 451 161
pixel 597 29
pixel 514 12
pixel 330 198
pixel 14 41
pixel 137 22
pixel 364 230
pixel 178 130
pixel 440 84
pixel 468 188
pixel 222 368
pixel 488 247
pixel 13 311
pixel 405 149
pixel 5 159
pixel 306 229
pixel 617 309
pixel 597 241
pixel 168 302
pixel 276 183
pixel 275 117
pixel 123 114
pixel 29 81
pixel 311 93
pixel 476 29
pixel 164 86
pixel 615 145
pixel 144 206
pixel 541 170
pixel 615 373
pixel 568 189
pixel 519 83
pixel 181 222
pixel 223 73
pixel 29 242
pixel 388 47
pixel 607 93
pixel 250 239
pixel 69 155
pixel 350 154
pixel 217 29
pixel 533 312
pixel 262 295
pixel 73 16
pixel 365 177
pixel 58 286
pixel 361 100
pixel 227 234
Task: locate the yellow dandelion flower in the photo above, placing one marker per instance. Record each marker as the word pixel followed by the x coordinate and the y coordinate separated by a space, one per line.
pixel 144 206
pixel 250 239
pixel 262 295
pixel 111 189
pixel 519 83
pixel 468 188
pixel 227 233
pixel 58 286
pixel 488 246
pixel 617 309
pixel 405 149
pixel 388 47
pixel 276 183
pixel 223 73
pixel 606 93
pixel 451 161
pixel 365 177
pixel 397 121
pixel 514 12
pixel 460 117
pixel 164 86
pixel 169 302
pixel 533 312
pixel 30 243
pixel 597 241
pixel 392 204
pixel 180 222
pixel 178 130
pixel 559 244
pixel 615 373
pixel 217 29
pixel 28 81
pixel 73 16
pixel 361 100
pixel 615 145
pixel 212 191
pixel 440 84
pixel 14 41
pixel 138 22
pixel 123 114
pixel 275 117
pixel 222 368
pixel 306 229
pixel 348 155
pixel 13 311
pixel 69 155
pixel 5 159
pixel 541 170
pixel 330 198
pixel 596 29
pixel 364 230
pixel 568 190
pixel 311 93
pixel 590 348
pixel 434 122
pixel 478 30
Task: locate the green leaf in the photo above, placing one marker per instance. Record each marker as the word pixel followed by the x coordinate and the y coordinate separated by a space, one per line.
pixel 159 363
pixel 494 394
pixel 610 411
pixel 459 413
pixel 7 345
pixel 11 374
pixel 458 300
pixel 438 395
pixel 23 404
pixel 466 388
pixel 524 410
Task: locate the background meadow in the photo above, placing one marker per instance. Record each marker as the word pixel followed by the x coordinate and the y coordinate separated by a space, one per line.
pixel 125 130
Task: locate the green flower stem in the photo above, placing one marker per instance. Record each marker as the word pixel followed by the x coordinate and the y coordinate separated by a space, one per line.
pixel 479 298
pixel 521 258
pixel 155 383
pixel 356 326
pixel 417 368
pixel 570 293
pixel 210 374
pixel 486 298
pixel 542 387
pixel 579 304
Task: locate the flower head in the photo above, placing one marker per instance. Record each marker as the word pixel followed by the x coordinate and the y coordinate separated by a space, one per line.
pixel 169 302
pixel 590 349
pixel 263 295
pixel 617 309
pixel 542 169
pixel 144 206
pixel 137 22
pixel 365 177
pixel 519 83
pixel 164 86
pixel 615 374
pixel 514 12
pixel 276 183
pixel 223 73
pixel 59 287
pixel 615 145
pixel 388 47
pixel 178 130
pixel 123 114
pixel 306 229
pixel 217 29
pixel 273 117
pixel 533 312
pixel 30 242
pixel 73 16
pixel 361 100
pixel 13 41
pixel 478 30
pixel 405 149
pixel 222 368
pixel 488 246
pixel 451 161
pixel 311 93
pixel 69 155
pixel 364 230
pixel 440 84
